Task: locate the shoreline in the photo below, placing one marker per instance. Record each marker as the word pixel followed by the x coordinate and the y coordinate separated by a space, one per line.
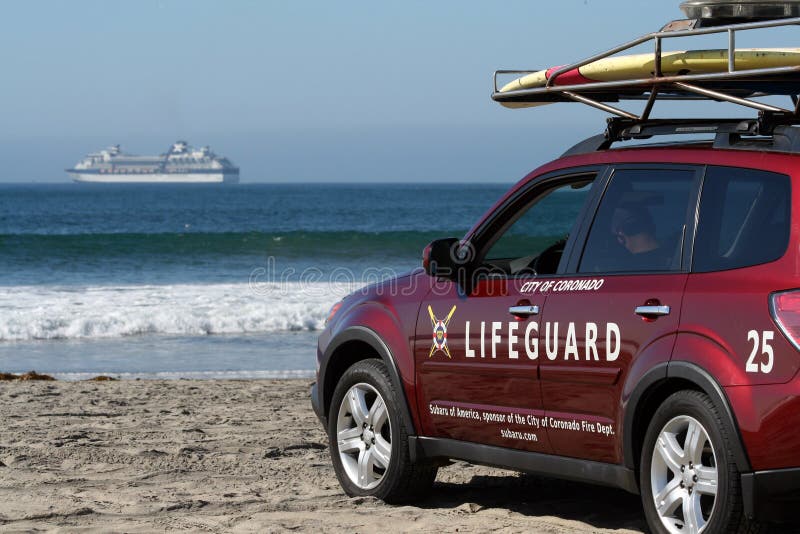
pixel 258 356
pixel 241 456
pixel 288 374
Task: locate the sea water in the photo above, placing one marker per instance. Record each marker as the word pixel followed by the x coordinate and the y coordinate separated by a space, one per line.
pixel 201 281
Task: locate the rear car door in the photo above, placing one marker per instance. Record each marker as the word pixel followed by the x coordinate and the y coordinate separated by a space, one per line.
pixel 477 341
pixel 615 309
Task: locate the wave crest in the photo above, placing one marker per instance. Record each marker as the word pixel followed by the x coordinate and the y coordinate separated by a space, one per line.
pixel 45 313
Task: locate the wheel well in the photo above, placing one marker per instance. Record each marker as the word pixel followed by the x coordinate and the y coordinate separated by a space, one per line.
pixel 341 360
pixel 647 406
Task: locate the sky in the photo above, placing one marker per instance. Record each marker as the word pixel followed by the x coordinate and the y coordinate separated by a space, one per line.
pixel 300 90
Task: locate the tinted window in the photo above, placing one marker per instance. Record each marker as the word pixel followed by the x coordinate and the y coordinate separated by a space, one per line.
pixel 534 240
pixel 744 219
pixel 641 223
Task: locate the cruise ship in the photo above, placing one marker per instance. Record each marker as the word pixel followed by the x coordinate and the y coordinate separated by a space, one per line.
pixel 181 164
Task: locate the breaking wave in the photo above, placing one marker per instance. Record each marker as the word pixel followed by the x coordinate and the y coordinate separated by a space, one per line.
pixel 45 313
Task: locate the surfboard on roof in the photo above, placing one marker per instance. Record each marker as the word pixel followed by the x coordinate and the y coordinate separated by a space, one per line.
pixel 610 78
pixel 672 64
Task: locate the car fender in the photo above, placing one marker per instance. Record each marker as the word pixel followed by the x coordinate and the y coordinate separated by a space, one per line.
pixel 690 371
pixel 700 361
pixel 362 324
pixel 648 369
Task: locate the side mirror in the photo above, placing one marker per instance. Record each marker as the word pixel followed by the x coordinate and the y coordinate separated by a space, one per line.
pixel 440 258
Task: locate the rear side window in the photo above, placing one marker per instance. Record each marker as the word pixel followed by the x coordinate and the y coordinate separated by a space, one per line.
pixel 641 222
pixel 744 219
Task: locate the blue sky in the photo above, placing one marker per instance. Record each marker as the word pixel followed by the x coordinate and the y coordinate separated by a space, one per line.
pixel 299 90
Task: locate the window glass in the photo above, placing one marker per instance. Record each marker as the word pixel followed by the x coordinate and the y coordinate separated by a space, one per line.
pixel 535 240
pixel 641 222
pixel 744 219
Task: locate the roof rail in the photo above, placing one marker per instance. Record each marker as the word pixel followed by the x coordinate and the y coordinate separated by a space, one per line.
pixel 769 132
pixel 734 86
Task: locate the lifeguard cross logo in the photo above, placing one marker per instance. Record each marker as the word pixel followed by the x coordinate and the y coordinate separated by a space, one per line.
pixel 440 333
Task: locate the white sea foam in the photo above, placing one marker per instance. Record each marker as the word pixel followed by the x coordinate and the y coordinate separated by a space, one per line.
pixel 46 312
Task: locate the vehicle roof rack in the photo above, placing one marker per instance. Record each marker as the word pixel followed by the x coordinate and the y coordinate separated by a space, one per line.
pixel 769 132
pixel 719 12
pixel 734 86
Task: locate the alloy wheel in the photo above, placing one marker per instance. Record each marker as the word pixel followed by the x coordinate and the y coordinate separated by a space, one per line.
pixel 684 476
pixel 364 436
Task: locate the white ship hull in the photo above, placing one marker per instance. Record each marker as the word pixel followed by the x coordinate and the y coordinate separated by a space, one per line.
pixel 156 178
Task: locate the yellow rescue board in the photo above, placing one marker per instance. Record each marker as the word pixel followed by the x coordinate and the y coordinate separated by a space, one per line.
pixel 641 66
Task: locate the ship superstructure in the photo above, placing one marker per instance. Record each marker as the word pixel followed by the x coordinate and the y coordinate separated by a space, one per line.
pixel 181 164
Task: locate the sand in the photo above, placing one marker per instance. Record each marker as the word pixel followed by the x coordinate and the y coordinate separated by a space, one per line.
pixel 238 456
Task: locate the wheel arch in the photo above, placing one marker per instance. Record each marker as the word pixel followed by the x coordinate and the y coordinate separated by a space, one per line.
pixel 654 388
pixel 352 345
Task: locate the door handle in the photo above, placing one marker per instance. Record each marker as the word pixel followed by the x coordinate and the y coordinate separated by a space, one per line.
pixel 523 311
pixel 652 311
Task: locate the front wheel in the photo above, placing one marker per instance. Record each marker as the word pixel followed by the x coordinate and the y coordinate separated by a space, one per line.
pixel 689 480
pixel 369 440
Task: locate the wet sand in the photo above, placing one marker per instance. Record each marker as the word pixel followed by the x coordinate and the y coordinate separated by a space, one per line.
pixel 238 456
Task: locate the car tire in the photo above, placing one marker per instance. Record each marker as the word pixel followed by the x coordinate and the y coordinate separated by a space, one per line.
pixel 689 480
pixel 369 439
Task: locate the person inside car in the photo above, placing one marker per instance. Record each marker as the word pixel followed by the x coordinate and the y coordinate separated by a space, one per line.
pixel 634 229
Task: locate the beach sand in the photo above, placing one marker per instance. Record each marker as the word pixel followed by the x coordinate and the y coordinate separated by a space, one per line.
pixel 241 456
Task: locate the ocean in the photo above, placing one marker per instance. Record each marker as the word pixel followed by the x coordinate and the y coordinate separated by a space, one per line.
pixel 201 281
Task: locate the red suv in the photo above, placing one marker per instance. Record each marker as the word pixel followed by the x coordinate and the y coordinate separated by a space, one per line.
pixel 625 317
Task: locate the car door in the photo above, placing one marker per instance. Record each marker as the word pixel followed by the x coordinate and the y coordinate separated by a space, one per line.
pixel 615 309
pixel 477 340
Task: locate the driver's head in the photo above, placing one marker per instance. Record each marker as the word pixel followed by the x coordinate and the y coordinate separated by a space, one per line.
pixel 634 228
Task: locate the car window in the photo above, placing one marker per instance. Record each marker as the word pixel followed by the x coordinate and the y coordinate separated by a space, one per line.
pixel 744 219
pixel 641 222
pixel 535 239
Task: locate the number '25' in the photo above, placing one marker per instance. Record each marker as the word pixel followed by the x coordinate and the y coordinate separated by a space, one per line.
pixel 766 350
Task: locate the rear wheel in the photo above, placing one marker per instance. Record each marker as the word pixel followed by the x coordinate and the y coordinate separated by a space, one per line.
pixel 689 480
pixel 369 440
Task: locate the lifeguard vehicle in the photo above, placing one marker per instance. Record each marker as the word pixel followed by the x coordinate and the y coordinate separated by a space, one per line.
pixel 626 315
